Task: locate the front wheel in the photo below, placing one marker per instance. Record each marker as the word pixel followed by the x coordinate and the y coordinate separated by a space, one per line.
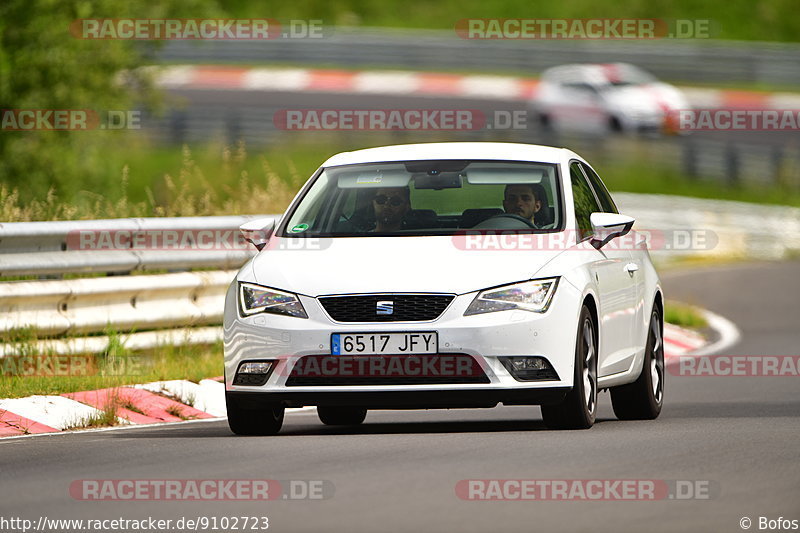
pixel 642 399
pixel 266 420
pixel 341 416
pixel 579 408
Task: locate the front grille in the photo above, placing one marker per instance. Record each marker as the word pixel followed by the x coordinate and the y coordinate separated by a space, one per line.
pixel 429 369
pixel 405 307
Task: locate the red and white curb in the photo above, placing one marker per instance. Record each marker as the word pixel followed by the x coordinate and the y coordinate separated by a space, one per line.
pixel 158 402
pixel 681 341
pixel 419 84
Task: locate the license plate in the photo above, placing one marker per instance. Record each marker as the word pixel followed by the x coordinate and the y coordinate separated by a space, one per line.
pixel 423 342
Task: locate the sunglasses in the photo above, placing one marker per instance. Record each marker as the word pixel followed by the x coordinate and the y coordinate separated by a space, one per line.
pixel 394 201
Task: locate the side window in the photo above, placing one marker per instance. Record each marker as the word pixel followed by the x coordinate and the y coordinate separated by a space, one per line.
pixel 606 202
pixel 585 202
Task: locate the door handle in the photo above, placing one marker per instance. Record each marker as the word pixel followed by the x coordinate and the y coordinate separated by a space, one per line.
pixel 630 268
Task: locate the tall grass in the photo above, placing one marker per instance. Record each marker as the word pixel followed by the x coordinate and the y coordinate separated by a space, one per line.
pixel 145 181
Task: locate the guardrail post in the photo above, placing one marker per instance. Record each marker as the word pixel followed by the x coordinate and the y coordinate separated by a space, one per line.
pixel 177 126
pixel 233 126
pixel 776 158
pixel 689 158
pixel 732 165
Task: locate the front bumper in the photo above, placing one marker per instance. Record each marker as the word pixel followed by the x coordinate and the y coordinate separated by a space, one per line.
pixel 417 399
pixel 485 337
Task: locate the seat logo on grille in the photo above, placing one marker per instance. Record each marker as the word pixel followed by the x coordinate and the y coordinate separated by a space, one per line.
pixel 384 307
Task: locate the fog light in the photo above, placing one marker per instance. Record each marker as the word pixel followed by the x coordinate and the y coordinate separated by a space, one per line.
pixel 529 368
pixel 261 367
pixel 253 373
pixel 528 363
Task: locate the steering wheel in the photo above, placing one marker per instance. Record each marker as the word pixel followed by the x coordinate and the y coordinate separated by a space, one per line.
pixel 515 217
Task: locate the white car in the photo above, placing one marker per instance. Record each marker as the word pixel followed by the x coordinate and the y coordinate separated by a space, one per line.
pixel 445 275
pixel 601 98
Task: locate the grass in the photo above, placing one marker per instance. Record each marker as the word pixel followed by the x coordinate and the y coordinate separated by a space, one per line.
pixel 145 180
pixel 130 406
pixel 218 179
pixel 102 418
pixel 125 368
pixel 105 418
pixel 177 411
pixel 683 315
pixel 639 176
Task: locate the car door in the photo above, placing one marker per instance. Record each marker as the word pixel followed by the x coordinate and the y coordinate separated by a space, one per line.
pixel 581 107
pixel 617 293
pixel 636 247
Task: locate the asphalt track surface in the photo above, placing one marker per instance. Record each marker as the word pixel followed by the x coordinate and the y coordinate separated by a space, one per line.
pixel 398 471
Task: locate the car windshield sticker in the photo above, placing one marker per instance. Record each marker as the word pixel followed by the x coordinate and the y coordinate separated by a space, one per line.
pixel 300 228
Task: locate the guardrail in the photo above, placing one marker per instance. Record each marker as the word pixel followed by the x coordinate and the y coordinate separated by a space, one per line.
pixel 92 305
pixel 700 60
pixel 72 247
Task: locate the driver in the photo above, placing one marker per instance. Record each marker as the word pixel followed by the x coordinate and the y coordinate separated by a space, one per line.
pixel 521 200
pixel 391 206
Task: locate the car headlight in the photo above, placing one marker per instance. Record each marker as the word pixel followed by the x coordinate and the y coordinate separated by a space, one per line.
pixel 255 299
pixel 534 295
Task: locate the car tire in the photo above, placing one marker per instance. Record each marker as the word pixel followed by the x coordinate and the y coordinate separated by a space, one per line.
pixel 579 408
pixel 544 121
pixel 341 416
pixel 265 420
pixel 643 399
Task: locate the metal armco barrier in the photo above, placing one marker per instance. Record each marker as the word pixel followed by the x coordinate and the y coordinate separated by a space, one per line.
pixel 57 307
pixel 133 303
pixel 45 248
pixel 703 60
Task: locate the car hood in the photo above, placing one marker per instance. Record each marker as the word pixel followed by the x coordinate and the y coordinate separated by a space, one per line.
pixel 393 264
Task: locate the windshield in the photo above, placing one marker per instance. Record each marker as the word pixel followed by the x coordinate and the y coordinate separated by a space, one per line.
pixel 432 197
pixel 624 75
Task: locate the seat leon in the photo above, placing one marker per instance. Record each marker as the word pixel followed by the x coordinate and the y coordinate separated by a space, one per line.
pixel 445 275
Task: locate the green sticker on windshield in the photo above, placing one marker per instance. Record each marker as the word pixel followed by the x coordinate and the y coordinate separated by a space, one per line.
pixel 300 228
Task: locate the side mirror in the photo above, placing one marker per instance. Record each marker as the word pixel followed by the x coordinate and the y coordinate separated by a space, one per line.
pixel 606 226
pixel 258 231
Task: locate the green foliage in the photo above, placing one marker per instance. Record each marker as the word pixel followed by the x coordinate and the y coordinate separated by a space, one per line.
pixel 768 20
pixel 684 315
pixel 43 66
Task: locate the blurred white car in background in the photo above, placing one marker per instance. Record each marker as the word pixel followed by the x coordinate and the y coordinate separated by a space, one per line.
pixel 602 98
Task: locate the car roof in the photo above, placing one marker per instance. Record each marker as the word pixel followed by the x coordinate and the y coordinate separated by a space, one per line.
pixel 597 72
pixel 453 150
